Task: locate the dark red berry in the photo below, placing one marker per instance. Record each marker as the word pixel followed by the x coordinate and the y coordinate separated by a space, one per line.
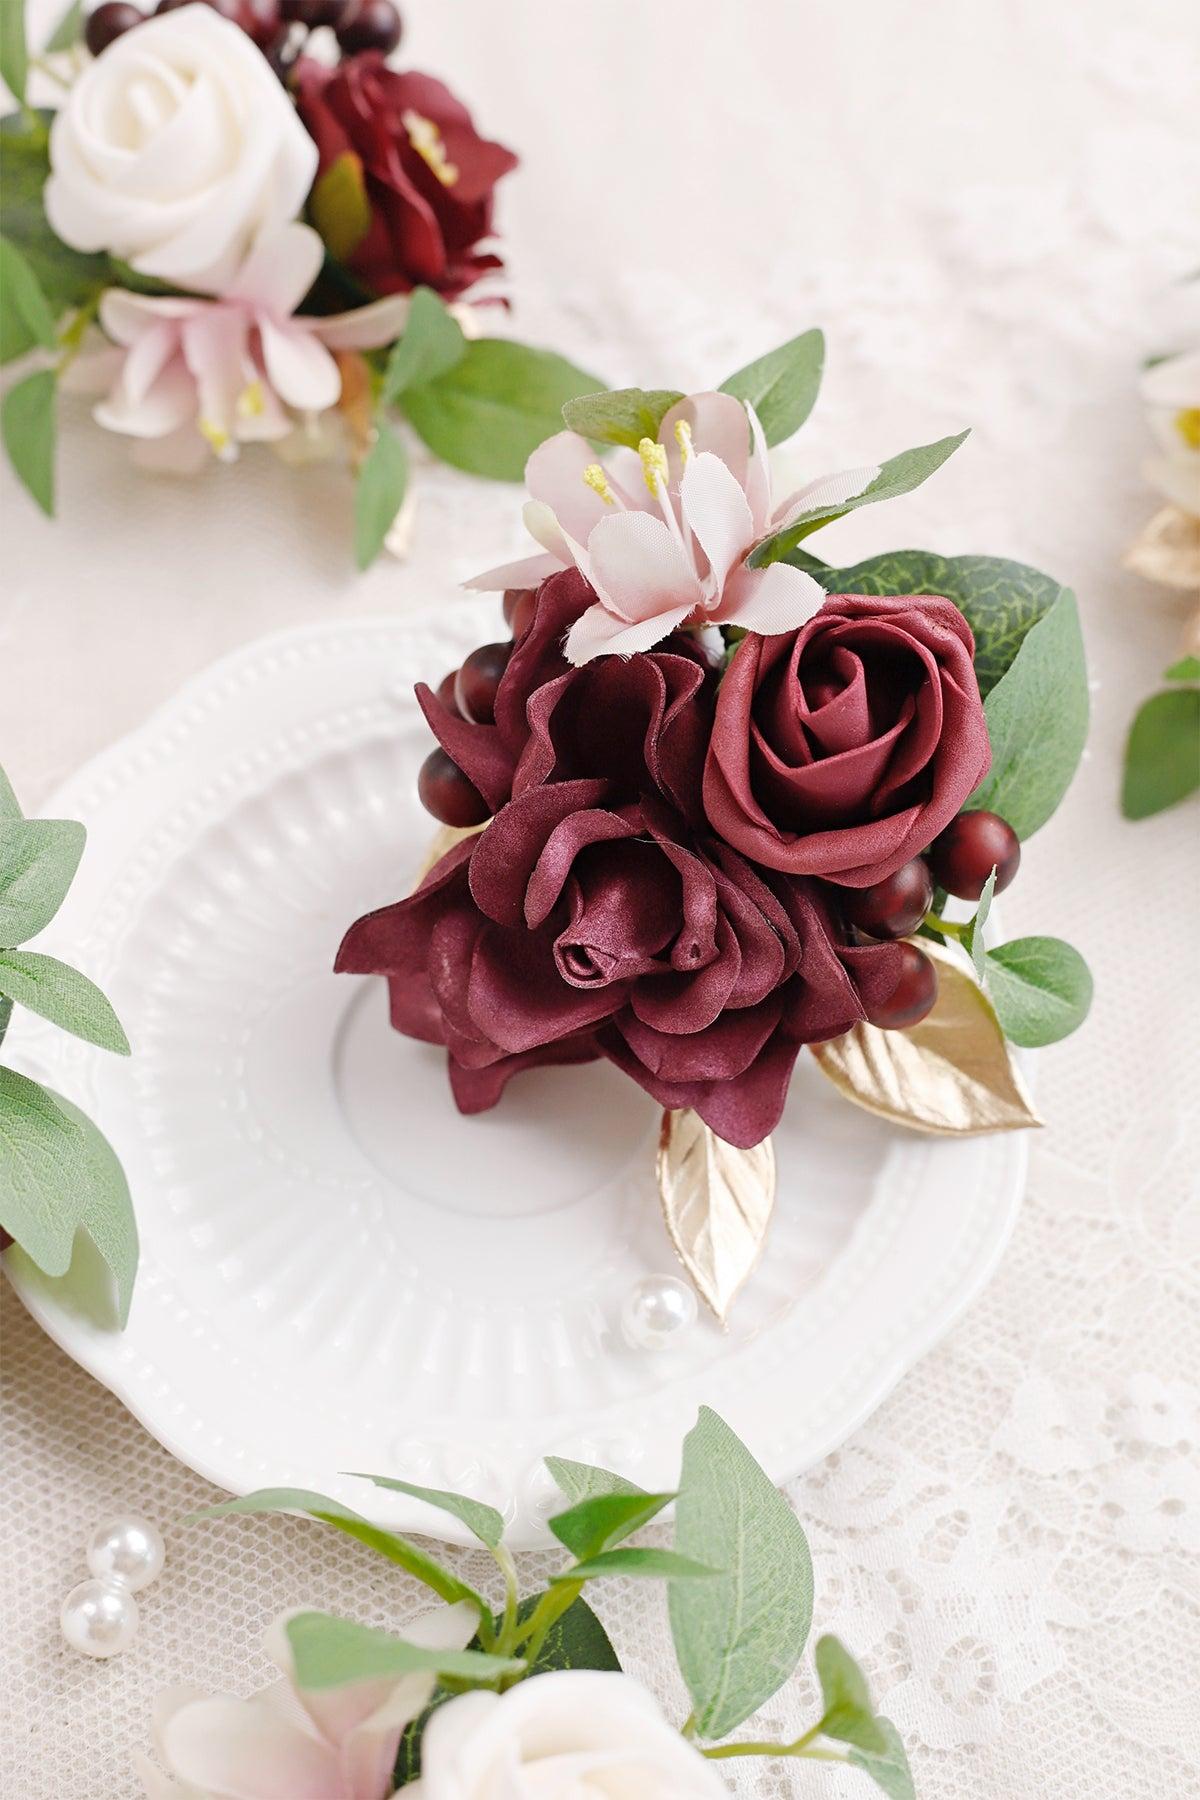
pixel 969 849
pixel 913 995
pixel 108 22
pixel 447 794
pixel 6 1237
pixel 370 25
pixel 523 613
pixel 263 21
pixel 228 9
pixel 509 603
pixel 892 908
pixel 445 692
pixel 312 13
pixel 478 679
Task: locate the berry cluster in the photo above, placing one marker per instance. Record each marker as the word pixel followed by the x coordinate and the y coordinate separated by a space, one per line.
pixel 358 25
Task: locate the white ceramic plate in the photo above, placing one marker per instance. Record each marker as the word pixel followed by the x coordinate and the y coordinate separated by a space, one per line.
pixel 340 1273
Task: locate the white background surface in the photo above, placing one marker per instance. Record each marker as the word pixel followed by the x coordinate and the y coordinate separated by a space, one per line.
pixel 982 204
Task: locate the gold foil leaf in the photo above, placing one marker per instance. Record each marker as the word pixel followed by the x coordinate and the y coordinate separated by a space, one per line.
pixel 717 1203
pixel 953 1074
pixel 443 841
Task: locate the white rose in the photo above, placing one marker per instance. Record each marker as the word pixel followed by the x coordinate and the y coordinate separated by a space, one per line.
pixel 571 1735
pixel 175 148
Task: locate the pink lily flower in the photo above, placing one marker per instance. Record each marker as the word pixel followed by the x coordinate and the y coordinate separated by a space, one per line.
pixel 662 533
pixel 194 377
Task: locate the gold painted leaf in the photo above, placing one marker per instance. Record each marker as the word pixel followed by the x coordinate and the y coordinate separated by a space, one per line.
pixel 442 842
pixel 717 1203
pixel 953 1074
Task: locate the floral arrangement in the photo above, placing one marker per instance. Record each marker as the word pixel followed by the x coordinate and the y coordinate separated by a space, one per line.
pixel 712 794
pixel 58 1174
pixel 528 1698
pixel 243 226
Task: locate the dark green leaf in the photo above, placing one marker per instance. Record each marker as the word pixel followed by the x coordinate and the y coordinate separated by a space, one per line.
pixel 38 860
pixel 432 345
pixel 329 1652
pixel 782 386
pixel 582 1481
pixel 973 939
pixel 65 276
pixel 1162 755
pixel 1037 719
pixel 1041 989
pixel 28 425
pixel 492 410
pixel 14 57
pixel 624 416
pixel 69 29
pixel 889 1770
pixel 849 1715
pixel 55 991
pixel 1186 669
pixel 25 318
pixel 738 1638
pixel 898 475
pixel 596 1524
pixel 1000 600
pixel 378 494
pixel 486 1523
pixel 655 1565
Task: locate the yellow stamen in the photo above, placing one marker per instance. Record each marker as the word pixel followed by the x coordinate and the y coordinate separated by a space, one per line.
pixel 428 143
pixel 252 402
pixel 654 463
pixel 1187 424
pixel 215 435
pixel 597 480
pixel 683 437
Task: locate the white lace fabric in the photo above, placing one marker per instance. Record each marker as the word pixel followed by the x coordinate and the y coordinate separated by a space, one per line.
pixel 1010 1544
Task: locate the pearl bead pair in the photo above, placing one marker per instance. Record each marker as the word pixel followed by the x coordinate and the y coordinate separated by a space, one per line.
pixel 99 1617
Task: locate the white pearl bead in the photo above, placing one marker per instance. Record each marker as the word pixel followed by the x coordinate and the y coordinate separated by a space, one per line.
pixel 656 1310
pixel 99 1618
pixel 127 1549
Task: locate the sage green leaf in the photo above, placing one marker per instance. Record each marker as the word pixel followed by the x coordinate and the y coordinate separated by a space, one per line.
pixel 1037 720
pixel 25 317
pixel 898 475
pixel 107 1213
pixel 1000 600
pixel 14 56
pixel 596 1524
pixel 329 1652
pixel 738 1638
pixel 378 494
pixel 624 416
pixel 491 411
pixel 849 1715
pixel 655 1565
pixel 782 386
pixel 396 1549
pixel 889 1769
pixel 27 423
pixel 582 1481
pixel 69 29
pixel 38 860
pixel 55 991
pixel 973 936
pixel 486 1523
pixel 1162 755
pixel 432 345
pixel 9 805
pixel 1041 989
pixel 65 276
pixel 1186 669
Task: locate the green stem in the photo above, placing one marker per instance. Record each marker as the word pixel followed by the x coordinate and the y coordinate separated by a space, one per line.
pixel 720 1752
pixel 508 1624
pixel 945 927
pixel 71 338
pixel 549 1609
pixel 688 1728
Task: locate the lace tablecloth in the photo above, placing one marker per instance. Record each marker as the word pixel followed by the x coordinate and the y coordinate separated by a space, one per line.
pixel 983 205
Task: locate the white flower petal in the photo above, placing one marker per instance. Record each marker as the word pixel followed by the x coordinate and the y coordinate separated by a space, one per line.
pixel 280 269
pixel 554 475
pixel 366 328
pixel 126 316
pixel 718 512
pixel 302 371
pixel 530 572
pixel 244 1751
pixel 600 633
pixel 771 600
pixel 718 423
pixel 545 529
pixel 169 403
pixel 638 568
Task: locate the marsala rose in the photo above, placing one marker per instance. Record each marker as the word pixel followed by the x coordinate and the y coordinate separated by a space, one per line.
pixel 842 749
pixel 429 176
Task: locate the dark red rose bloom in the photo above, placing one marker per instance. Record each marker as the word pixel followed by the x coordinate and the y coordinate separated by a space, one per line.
pixel 429 176
pixel 842 749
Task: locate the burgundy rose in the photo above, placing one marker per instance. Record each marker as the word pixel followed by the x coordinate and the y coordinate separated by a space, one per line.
pixel 582 924
pixel 429 175
pixel 842 749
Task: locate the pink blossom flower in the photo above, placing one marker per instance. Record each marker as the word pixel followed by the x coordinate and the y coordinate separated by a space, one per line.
pixel 662 533
pixel 189 377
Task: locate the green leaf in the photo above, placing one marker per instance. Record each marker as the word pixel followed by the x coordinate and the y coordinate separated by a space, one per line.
pixel 491 411
pixel 28 426
pixel 338 206
pixel 782 386
pixel 972 940
pixel 660 1565
pixel 1037 720
pixel 378 494
pixel 38 860
pixel 898 475
pixel 14 57
pixel 737 1639
pixel 889 1770
pixel 594 1525
pixel 583 1481
pixel 624 416
pixel 432 345
pixel 5 1017
pixel 25 318
pixel 9 806
pixel 107 1213
pixel 849 1715
pixel 486 1523
pixel 331 1512
pixel 1041 989
pixel 65 276
pixel 1162 755
pixel 329 1652
pixel 1186 669
pixel 1000 600
pixel 69 29
pixel 55 991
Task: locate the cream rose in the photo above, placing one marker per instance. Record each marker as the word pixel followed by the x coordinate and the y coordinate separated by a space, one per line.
pixel 570 1735
pixel 175 148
